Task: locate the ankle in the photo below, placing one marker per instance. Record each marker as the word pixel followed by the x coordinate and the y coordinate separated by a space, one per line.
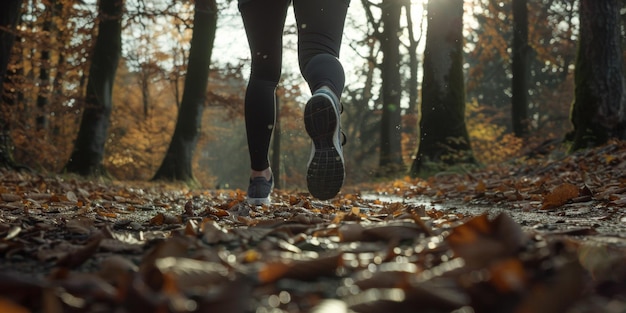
pixel 332 94
pixel 266 173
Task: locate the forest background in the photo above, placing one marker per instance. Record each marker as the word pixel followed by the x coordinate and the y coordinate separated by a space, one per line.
pixel 49 66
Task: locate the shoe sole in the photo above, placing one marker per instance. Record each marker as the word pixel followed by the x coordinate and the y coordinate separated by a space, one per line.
pixel 326 173
pixel 258 201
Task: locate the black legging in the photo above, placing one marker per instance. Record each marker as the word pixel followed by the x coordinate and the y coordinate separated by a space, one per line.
pixel 320 29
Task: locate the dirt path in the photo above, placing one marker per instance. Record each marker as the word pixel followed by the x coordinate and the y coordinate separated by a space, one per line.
pixel 538 237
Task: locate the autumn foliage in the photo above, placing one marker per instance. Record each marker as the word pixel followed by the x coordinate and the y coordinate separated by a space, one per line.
pixel 149 86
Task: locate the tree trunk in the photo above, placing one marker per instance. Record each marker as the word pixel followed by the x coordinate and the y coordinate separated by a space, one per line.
pixel 444 139
pixel 413 59
pixel 411 115
pixel 145 89
pixel 88 153
pixel 599 108
pixel 391 129
pixel 520 69
pixel 43 97
pixel 63 42
pixel 177 162
pixel 9 15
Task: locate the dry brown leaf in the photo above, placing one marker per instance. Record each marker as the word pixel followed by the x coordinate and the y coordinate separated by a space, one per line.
pixel 116 269
pixel 480 241
pixel 308 219
pixel 556 294
pixel 80 225
pixel 273 271
pixel 39 197
pixel 214 233
pixel 13 232
pixel 386 275
pixel 480 187
pixel 84 285
pixel 192 228
pixel 604 262
pixel 104 213
pixel 349 232
pixel 559 196
pixel 71 196
pixel 9 197
pixel 188 273
pixel 509 232
pixel 252 233
pixel 157 220
pixel 508 275
pixel 8 306
pixel 76 258
pixel 390 231
pixel 188 209
pixel 216 212
pixel 313 268
pixel 470 232
pixel 165 219
pixel 393 208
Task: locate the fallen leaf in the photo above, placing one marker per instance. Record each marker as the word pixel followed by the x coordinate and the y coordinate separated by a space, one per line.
pixel 13 232
pixel 188 273
pixel 7 306
pixel 556 294
pixel 80 225
pixel 508 275
pixel 309 269
pixel 78 257
pixel 9 197
pixel 480 241
pixel 604 262
pixel 559 196
pixel 71 196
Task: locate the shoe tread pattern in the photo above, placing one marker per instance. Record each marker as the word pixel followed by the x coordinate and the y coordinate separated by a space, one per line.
pixel 326 171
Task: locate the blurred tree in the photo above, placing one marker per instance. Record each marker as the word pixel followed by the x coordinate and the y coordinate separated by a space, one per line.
pixel 488 57
pixel 361 118
pixel 62 12
pixel 48 113
pixel 177 164
pixel 413 57
pixel 53 8
pixel 390 160
pixel 137 142
pixel 551 50
pixel 443 133
pixel 599 108
pixel 9 16
pixel 520 69
pixel 384 29
pixel 411 115
pixel 88 152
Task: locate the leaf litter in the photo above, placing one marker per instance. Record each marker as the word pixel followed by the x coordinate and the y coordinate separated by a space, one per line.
pixel 540 235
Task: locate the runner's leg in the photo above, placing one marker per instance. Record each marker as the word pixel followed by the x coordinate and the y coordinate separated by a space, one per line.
pixel 264 22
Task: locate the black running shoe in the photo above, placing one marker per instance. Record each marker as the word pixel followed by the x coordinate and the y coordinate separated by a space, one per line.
pixel 326 171
pixel 259 190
